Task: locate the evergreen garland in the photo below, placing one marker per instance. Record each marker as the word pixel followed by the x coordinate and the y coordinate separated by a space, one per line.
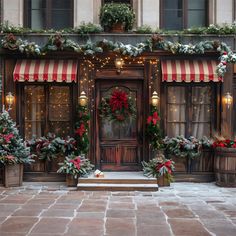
pixel 153 130
pixel 82 130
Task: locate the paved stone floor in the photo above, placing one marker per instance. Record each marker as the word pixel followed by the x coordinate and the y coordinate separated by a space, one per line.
pixel 182 209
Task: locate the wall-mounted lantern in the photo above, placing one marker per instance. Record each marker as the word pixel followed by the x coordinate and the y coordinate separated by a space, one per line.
pixel 119 62
pixel 228 99
pixel 9 100
pixel 155 99
pixel 83 100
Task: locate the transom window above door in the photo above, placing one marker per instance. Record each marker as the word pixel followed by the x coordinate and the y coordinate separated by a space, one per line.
pixel 47 14
pixel 182 14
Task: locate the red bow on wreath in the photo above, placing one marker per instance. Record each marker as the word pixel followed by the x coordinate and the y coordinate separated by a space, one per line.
pixel 118 100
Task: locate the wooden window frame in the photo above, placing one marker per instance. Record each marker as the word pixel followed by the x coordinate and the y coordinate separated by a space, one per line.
pixel 189 106
pixel 185 14
pixel 27 17
pixel 46 86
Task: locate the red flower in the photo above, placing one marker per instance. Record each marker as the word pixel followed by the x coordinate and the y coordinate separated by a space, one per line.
pixel 149 120
pixel 8 137
pixel 81 130
pixel 225 53
pixel 154 118
pixel 118 100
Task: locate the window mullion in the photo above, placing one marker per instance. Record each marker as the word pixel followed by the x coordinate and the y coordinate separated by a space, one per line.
pixel 46 91
pixel 189 111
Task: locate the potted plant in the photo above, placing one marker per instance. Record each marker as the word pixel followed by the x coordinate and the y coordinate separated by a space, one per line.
pixel 75 167
pixel 225 162
pixel 159 168
pixel 13 151
pixel 117 17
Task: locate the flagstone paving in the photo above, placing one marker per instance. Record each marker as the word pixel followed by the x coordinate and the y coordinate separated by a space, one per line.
pixel 183 209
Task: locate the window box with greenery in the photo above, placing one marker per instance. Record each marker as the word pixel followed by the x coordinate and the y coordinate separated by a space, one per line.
pixel 75 167
pixel 13 152
pixel 117 17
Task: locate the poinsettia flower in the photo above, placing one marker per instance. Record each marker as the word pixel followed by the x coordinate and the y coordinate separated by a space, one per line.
pixel 149 120
pixel 118 100
pixel 8 137
pixel 81 130
pixel 155 118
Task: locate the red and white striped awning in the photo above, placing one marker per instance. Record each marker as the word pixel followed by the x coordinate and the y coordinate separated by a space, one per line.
pixel 45 70
pixel 189 71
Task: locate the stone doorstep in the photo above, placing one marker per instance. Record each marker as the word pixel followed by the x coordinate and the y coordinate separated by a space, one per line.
pixel 116 187
pixel 118 181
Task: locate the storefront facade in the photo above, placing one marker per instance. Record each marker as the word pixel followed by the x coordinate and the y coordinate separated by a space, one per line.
pixel 47 90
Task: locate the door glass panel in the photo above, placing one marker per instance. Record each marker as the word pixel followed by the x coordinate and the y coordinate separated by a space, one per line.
pixel 34 111
pixel 112 129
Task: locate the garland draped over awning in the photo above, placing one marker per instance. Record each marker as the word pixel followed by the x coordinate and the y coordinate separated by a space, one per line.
pixel 59 42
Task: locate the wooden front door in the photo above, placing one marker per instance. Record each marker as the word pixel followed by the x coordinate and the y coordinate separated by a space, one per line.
pixel 120 144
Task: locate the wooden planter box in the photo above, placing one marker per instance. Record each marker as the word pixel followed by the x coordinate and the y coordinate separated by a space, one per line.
pixel 13 175
pixel 225 167
pixel 71 181
pixel 162 181
pixel 204 163
pixel 182 164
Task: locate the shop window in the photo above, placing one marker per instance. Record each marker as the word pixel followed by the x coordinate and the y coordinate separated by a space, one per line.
pixel 46 14
pixel 47 109
pixel 189 111
pixel 180 14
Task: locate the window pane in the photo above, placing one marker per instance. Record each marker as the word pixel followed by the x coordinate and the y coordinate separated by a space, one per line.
pixel 61 19
pixel 38 19
pixel 176 95
pixel 175 129
pixel 201 104
pixel 199 4
pixel 201 95
pixel 196 18
pixel 34 111
pixel 173 14
pixel 201 113
pixel 61 4
pixel 176 111
pixel 201 129
pixel 59 110
pixel 196 13
pixel 118 130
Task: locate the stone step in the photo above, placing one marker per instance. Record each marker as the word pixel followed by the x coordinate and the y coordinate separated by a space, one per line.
pixel 116 187
pixel 117 181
